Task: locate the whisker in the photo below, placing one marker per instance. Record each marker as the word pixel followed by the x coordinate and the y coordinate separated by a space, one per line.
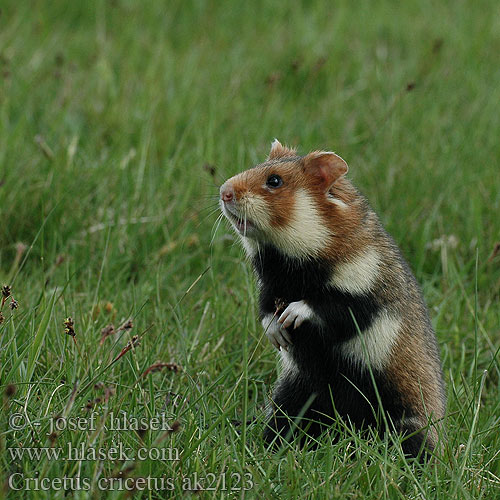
pixel 207 196
pixel 244 221
pixel 259 254
pixel 210 183
pixel 217 223
pixel 214 206
pixel 206 217
pixel 236 244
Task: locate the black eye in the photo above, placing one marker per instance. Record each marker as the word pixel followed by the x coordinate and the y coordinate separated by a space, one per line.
pixel 274 181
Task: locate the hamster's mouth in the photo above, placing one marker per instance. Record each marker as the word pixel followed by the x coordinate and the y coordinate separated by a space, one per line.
pixel 242 224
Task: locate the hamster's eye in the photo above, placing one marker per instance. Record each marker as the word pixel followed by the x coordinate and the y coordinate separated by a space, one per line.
pixel 274 181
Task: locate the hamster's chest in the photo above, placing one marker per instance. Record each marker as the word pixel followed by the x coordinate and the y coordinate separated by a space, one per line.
pixel 289 278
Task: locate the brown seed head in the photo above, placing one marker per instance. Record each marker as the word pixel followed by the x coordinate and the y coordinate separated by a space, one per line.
pixel 6 291
pixel 107 331
pixel 128 325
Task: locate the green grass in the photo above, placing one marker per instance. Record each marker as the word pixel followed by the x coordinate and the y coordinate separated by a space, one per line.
pixel 109 111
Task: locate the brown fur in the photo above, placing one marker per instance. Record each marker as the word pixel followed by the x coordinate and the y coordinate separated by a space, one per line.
pixel 343 223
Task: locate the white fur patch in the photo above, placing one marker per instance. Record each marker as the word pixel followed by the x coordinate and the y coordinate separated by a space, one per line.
pixel 373 346
pixel 249 246
pixel 305 235
pixel 338 202
pixel 287 363
pixel 358 275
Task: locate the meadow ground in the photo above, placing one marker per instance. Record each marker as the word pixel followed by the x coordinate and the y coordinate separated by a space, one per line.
pixel 118 120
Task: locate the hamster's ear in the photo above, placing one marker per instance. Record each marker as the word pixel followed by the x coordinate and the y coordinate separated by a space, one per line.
pixel 326 167
pixel 280 151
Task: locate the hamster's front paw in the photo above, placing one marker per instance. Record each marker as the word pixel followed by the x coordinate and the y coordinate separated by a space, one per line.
pixel 295 314
pixel 276 333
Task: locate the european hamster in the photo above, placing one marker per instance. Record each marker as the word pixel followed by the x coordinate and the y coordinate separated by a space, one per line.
pixel 337 300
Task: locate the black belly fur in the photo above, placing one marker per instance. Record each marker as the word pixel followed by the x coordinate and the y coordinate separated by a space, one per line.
pixel 338 386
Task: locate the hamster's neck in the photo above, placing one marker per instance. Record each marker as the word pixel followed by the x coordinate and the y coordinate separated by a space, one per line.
pixel 289 275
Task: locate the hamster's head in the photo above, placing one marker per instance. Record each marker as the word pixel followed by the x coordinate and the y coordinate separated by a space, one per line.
pixel 302 205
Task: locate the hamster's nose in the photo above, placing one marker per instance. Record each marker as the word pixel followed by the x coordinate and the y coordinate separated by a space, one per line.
pixel 226 193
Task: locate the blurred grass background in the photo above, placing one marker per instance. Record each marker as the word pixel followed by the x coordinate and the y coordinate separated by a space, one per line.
pixel 119 119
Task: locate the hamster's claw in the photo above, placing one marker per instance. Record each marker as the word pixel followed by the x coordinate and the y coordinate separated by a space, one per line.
pixel 295 314
pixel 276 334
